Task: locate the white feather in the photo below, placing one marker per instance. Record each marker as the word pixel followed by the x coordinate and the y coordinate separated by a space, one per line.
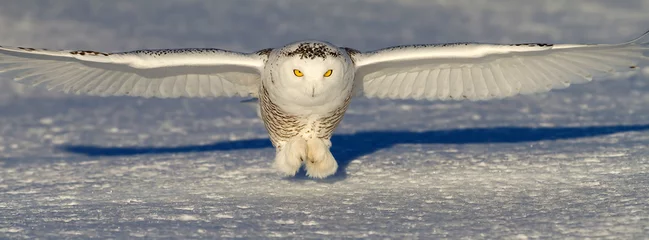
pixel 486 71
pixel 146 73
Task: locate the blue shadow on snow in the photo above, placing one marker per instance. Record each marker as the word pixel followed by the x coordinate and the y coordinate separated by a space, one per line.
pixel 347 147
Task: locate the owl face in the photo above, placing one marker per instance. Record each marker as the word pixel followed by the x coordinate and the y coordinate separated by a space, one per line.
pixel 311 70
pixel 312 77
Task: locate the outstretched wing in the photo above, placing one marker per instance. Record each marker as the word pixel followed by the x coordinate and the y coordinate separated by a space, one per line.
pixel 486 71
pixel 146 73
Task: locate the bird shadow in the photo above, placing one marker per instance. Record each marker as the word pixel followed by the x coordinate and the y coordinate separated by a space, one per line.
pixel 348 147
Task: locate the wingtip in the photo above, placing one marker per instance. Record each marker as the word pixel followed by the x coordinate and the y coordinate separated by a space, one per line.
pixel 639 38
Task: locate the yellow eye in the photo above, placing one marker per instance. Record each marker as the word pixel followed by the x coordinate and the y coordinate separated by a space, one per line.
pixel 298 73
pixel 328 73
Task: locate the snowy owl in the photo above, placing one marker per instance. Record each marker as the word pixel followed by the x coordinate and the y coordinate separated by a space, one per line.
pixel 304 88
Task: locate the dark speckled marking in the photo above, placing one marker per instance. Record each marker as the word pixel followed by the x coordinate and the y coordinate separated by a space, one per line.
pixel 27 49
pixel 532 44
pixel 312 51
pixel 455 44
pixel 163 52
pixel 351 52
pixel 266 52
pixel 281 126
pixel 633 67
pixel 85 52
pixel 417 46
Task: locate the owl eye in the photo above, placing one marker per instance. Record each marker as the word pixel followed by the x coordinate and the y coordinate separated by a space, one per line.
pixel 298 73
pixel 328 73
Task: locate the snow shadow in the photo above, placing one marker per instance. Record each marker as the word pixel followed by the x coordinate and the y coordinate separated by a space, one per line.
pixel 347 147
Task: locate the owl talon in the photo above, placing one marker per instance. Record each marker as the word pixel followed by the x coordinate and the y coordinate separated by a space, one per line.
pixel 321 162
pixel 289 158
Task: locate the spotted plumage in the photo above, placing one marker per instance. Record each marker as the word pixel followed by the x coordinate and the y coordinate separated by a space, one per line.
pixel 27 49
pixel 312 50
pixel 305 88
pixel 281 126
pixel 163 52
pixel 265 52
pixel 351 51
pixel 328 124
pixel 532 44
pixel 85 52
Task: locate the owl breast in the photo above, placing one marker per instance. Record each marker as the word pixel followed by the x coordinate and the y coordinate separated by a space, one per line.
pixel 283 125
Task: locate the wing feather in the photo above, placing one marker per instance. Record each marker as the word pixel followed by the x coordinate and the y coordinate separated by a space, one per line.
pixel 408 81
pixel 383 92
pixel 480 85
pixel 542 78
pixel 419 86
pixel 167 86
pixel 501 80
pixel 443 83
pixel 114 86
pixel 228 88
pixel 469 89
pixel 513 77
pixel 479 71
pixel 146 73
pixel 64 76
pixel 215 84
pixel 179 86
pixel 398 80
pixel 192 85
pixel 456 87
pixel 56 86
pixel 204 89
pixel 93 86
pixel 127 86
pixel 579 66
pixel 374 85
pixel 490 81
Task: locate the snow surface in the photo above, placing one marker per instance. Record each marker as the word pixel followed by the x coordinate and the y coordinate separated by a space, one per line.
pixel 568 164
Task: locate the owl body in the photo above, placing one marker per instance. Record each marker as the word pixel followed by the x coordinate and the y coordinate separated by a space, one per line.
pixel 301 113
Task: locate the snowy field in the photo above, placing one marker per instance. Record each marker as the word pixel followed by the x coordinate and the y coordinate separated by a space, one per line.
pixel 572 163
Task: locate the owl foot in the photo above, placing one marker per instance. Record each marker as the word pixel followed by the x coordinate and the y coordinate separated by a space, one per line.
pixel 290 156
pixel 320 162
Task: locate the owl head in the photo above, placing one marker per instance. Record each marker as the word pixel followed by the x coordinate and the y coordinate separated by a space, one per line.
pixel 309 69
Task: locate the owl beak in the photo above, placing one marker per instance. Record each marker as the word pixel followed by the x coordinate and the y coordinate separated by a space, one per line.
pixel 313 92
